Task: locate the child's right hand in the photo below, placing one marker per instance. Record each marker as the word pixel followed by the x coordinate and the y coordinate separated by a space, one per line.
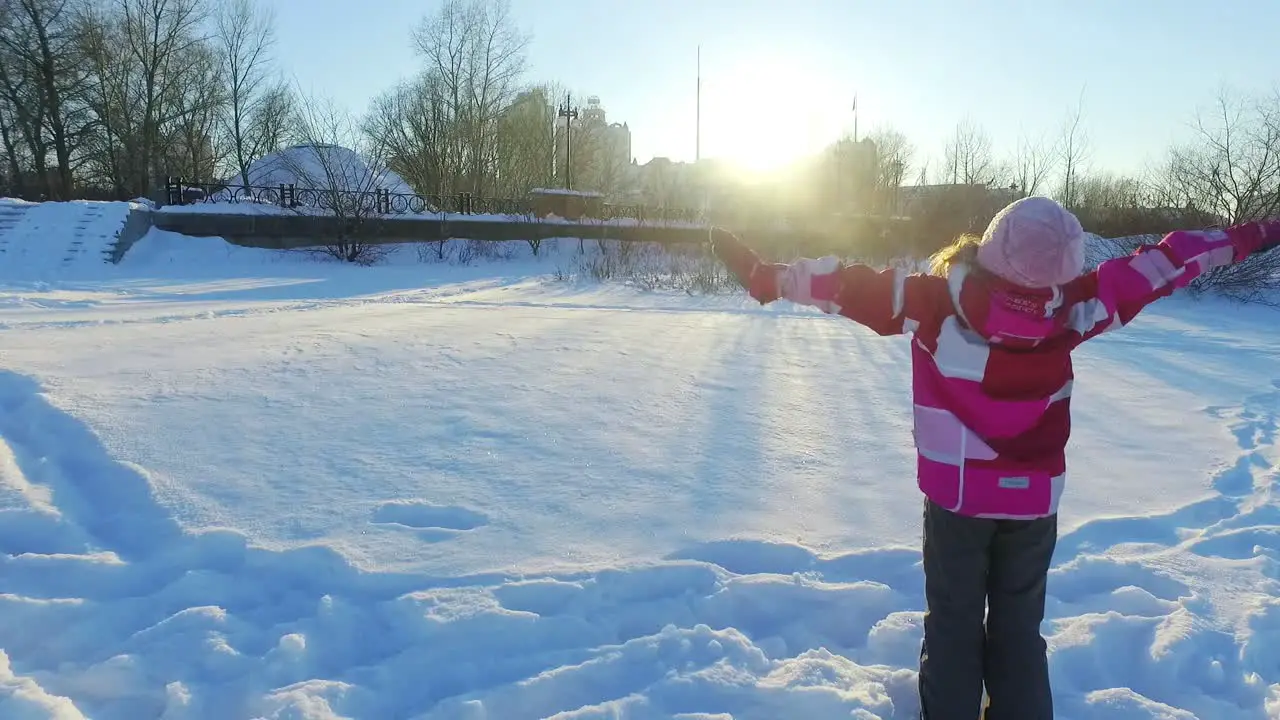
pixel 1254 237
pixel 759 278
pixel 1270 235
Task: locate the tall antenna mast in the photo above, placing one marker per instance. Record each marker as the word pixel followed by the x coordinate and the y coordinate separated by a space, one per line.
pixel 697 133
pixel 855 117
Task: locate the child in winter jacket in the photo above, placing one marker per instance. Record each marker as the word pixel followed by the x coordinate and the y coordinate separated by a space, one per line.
pixel 994 325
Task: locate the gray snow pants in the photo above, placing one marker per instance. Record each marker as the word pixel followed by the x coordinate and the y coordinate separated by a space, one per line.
pixel 970 564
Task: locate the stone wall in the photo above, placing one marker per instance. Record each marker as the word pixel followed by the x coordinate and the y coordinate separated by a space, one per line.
pixel 280 232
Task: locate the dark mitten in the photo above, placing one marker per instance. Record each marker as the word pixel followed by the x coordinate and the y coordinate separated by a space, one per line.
pixel 760 279
pixel 1270 235
pixel 763 285
pixel 734 254
pixel 1253 237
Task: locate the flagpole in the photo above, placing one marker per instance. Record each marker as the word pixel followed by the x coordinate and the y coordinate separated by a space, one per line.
pixel 697 144
pixel 855 117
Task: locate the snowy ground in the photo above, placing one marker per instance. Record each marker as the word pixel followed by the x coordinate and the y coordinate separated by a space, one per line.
pixel 236 487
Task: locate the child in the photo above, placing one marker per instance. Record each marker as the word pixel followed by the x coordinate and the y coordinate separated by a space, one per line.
pixel 994 326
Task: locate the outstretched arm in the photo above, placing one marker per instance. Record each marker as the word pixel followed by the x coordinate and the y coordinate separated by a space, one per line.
pixel 887 301
pixel 1121 288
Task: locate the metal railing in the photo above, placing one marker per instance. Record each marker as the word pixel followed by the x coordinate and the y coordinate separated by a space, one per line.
pixel 180 191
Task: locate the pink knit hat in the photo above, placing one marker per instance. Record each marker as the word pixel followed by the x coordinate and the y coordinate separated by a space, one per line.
pixel 1034 242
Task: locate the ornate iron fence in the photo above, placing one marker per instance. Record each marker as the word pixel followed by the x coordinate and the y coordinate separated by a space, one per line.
pixel 180 191
pixel 644 213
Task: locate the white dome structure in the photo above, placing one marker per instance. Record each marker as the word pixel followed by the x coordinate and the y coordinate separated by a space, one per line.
pixel 323 167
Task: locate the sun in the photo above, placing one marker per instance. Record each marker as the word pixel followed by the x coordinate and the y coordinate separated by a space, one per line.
pixel 760 115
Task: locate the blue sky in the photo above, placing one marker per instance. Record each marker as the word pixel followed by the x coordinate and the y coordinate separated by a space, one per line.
pixel 779 76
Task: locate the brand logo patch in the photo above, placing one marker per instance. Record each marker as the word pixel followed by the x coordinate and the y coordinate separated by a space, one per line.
pixel 1015 483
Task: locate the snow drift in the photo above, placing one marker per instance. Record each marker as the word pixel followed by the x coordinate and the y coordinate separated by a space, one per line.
pixel 236 484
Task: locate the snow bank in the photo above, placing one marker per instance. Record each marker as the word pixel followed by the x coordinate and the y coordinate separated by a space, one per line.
pixel 163 252
pixel 167 253
pixel 22 699
pixel 242 484
pixel 1098 249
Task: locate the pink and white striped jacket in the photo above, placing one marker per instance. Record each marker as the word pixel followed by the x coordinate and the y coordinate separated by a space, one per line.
pixel 991 361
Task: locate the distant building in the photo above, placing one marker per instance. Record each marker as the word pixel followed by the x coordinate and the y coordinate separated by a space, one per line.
pixel 600 151
pixel 663 182
pixel 855 165
pixel 615 138
pixel 525 153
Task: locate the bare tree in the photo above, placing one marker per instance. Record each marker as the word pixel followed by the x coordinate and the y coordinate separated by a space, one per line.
pixel 25 113
pixel 612 163
pixel 894 155
pixel 1123 206
pixel 244 38
pixel 1073 154
pixel 412 127
pixel 40 48
pixel 137 50
pixel 922 177
pixel 600 157
pixel 1232 170
pixel 477 55
pixel 968 157
pixel 105 94
pixel 1033 161
pixel 25 105
pixel 190 145
pixel 663 186
pixel 339 162
pixel 591 165
pixel 12 183
pixel 270 124
pixel 526 143
pixel 1112 191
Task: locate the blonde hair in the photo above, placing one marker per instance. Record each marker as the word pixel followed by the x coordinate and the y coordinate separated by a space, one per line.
pixel 963 251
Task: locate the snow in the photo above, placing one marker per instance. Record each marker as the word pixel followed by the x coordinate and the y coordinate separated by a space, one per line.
pixel 237 483
pixel 321 166
pixel 22 699
pixel 40 241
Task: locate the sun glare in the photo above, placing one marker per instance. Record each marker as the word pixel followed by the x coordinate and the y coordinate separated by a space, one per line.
pixel 760 116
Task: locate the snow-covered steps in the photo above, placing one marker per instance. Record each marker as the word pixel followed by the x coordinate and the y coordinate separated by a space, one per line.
pixel 88 231
pixel 45 240
pixel 11 214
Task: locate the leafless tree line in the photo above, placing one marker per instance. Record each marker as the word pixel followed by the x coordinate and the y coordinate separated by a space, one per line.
pixel 104 96
pixel 469 121
pixel 107 97
pixel 1045 164
pixel 1227 172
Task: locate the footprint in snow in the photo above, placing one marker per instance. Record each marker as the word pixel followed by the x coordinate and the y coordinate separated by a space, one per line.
pixel 440 521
